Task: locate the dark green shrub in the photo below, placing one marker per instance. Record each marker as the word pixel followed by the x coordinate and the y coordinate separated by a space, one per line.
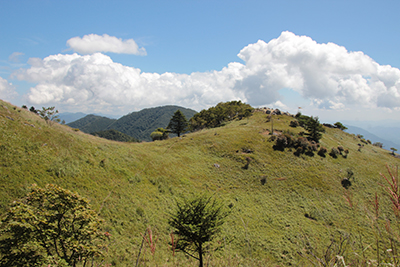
pixel 334 152
pixel 378 144
pixel 302 142
pixel 290 140
pixel 340 126
pixel 322 151
pixel 313 146
pixel 364 141
pixel 299 151
pixel 263 180
pixel 294 124
pixel 246 166
pixel 280 142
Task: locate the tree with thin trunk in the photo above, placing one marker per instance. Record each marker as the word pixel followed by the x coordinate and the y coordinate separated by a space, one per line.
pixel 178 123
pixel 196 221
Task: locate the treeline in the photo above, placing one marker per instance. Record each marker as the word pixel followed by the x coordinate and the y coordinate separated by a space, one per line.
pixel 115 136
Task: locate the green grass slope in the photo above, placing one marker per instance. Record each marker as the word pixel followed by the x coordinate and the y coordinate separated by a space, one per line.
pixel 281 205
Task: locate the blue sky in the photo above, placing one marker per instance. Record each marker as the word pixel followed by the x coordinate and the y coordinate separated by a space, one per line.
pixel 336 59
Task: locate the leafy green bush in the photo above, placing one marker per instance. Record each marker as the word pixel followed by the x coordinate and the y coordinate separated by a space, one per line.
pixel 218 115
pixel 299 151
pixel 340 126
pixel 50 224
pixel 160 134
pixel 294 124
pixel 334 152
pixel 322 151
pixel 280 142
pixel 378 144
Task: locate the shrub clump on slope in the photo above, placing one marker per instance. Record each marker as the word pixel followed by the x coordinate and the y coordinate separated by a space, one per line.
pixel 220 114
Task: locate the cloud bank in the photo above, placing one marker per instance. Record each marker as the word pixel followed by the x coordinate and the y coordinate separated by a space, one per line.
pixel 7 90
pixel 327 74
pixel 93 43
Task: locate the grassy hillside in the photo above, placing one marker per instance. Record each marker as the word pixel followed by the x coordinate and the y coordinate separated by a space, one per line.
pixel 281 205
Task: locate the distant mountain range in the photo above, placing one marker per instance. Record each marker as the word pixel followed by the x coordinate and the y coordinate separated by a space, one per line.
pixel 374 137
pixel 136 124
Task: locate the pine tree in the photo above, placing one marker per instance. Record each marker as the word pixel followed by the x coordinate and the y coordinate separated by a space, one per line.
pixel 178 123
pixel 314 129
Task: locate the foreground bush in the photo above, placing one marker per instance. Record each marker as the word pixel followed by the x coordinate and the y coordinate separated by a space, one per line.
pixel 50 225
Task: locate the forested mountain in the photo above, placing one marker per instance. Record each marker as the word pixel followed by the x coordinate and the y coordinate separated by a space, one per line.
pixel 91 123
pixel 115 136
pixel 142 123
pixel 138 124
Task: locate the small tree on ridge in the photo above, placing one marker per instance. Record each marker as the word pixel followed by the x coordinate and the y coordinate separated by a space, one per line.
pixel 314 128
pixel 49 114
pixel 178 123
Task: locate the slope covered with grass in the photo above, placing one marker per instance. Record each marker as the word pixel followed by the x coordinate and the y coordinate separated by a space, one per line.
pixel 281 205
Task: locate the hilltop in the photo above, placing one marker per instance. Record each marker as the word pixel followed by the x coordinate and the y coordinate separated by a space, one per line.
pixel 281 204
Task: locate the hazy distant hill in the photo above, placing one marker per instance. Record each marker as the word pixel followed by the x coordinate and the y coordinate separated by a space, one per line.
pixel 70 117
pixel 91 123
pixel 389 133
pixel 387 144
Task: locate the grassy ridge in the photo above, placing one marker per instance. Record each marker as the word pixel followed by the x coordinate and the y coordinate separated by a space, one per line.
pixel 134 186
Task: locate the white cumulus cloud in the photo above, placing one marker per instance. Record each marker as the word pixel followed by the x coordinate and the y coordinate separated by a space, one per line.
pixel 327 74
pixel 96 83
pixel 320 72
pixel 7 90
pixel 93 43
